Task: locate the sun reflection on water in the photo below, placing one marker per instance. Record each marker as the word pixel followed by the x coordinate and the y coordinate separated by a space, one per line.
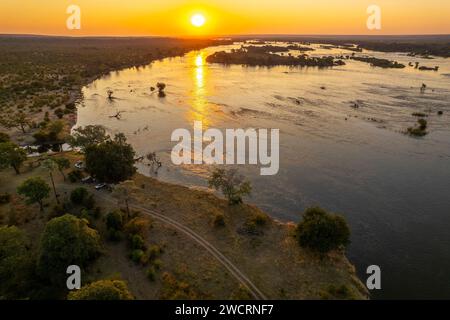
pixel 199 110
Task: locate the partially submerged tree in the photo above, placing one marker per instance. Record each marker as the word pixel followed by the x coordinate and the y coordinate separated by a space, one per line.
pixel 66 241
pixel 11 155
pixel 231 184
pixel 84 137
pixel 102 290
pixel 111 161
pixel 35 190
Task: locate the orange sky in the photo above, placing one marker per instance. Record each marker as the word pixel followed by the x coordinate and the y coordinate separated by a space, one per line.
pixel 224 17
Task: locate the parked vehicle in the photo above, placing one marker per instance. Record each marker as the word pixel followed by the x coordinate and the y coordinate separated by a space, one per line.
pixel 88 179
pixel 101 186
pixel 79 165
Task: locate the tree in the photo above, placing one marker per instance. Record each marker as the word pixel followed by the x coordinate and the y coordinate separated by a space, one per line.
pixel 111 161
pixel 52 132
pixel 88 136
pixel 322 231
pixel 102 290
pixel 11 155
pixel 18 120
pixel 35 189
pixel 16 263
pixel 114 220
pixel 231 184
pixel 123 193
pixel 4 137
pixel 66 241
pixel 62 163
pixel 49 165
pixel 78 195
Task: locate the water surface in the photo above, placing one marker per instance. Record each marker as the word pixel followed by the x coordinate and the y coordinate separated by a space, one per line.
pixel 393 189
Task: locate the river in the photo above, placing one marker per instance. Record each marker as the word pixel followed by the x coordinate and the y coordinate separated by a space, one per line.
pixel 393 189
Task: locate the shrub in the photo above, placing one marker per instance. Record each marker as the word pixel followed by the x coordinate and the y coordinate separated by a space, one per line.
pixel 89 202
pixel 151 274
pixel 102 290
pixel 321 231
pixel 114 220
pixel 154 251
pixel 78 195
pixel 138 226
pixel 75 176
pixel 137 242
pixel 137 255
pixel 231 184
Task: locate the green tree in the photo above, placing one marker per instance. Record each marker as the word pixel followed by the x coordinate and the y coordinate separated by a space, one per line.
pixel 16 263
pixel 66 241
pixel 4 137
pixel 62 163
pixel 11 155
pixel 84 137
pixel 114 220
pixel 78 195
pixel 18 120
pixel 35 190
pixel 102 290
pixel 231 184
pixel 111 161
pixel 322 231
pixel 49 165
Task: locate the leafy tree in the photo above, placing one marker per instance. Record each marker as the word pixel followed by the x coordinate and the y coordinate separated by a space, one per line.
pixel 111 161
pixel 49 165
pixel 35 189
pixel 123 192
pixel 52 132
pixel 66 241
pixel 231 184
pixel 62 163
pixel 322 231
pixel 11 155
pixel 18 120
pixel 4 137
pixel 88 136
pixel 102 290
pixel 78 195
pixel 16 263
pixel 114 220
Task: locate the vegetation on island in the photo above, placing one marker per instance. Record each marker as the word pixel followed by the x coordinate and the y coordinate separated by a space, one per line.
pixel 263 58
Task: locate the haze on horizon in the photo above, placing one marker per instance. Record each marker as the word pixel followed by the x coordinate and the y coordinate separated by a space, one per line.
pixel 224 17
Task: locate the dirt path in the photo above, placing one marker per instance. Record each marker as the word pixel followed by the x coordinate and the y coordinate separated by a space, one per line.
pixel 235 272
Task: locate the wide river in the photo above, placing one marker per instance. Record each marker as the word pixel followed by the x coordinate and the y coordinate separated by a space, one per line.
pixel 393 189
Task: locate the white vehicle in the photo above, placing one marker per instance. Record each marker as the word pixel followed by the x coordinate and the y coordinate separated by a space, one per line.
pixel 101 186
pixel 79 165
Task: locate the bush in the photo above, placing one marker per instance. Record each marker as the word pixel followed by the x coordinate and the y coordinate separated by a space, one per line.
pixel 89 202
pixel 137 242
pixel 137 255
pixel 114 220
pixel 102 290
pixel 75 176
pixel 138 226
pixel 321 231
pixel 151 274
pixel 78 195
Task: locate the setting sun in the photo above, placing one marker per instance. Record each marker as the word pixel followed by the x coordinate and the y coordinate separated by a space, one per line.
pixel 198 20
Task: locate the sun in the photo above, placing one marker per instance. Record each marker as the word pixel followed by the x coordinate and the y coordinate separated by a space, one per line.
pixel 198 20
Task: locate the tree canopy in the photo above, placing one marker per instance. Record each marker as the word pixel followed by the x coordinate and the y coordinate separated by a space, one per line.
pixel 102 290
pixel 66 241
pixel 11 155
pixel 111 161
pixel 35 190
pixel 84 137
pixel 16 263
pixel 232 185
pixel 322 231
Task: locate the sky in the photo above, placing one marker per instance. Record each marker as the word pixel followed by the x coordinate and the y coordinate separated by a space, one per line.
pixel 223 17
